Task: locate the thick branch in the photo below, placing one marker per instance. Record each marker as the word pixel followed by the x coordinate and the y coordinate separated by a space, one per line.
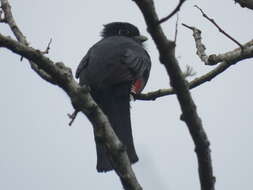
pixel 166 50
pixel 233 56
pixel 81 99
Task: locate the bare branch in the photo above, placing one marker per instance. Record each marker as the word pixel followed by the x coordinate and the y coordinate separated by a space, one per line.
pixel 10 20
pixel 199 45
pixel 245 3
pixel 219 28
pixel 81 101
pixel 60 75
pixel 42 73
pixel 192 84
pixel 180 3
pixel 227 59
pixel 154 94
pixel 234 56
pixel 166 50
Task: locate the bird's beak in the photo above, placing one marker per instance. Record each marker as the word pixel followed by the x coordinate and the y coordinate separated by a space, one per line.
pixel 141 38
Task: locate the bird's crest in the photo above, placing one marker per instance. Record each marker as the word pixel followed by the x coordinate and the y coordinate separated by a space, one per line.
pixel 119 29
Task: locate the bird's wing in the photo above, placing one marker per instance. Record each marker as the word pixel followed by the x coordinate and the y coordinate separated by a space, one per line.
pixel 138 63
pixel 110 63
pixel 82 65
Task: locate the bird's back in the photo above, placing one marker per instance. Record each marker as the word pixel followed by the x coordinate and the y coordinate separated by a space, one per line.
pixel 105 63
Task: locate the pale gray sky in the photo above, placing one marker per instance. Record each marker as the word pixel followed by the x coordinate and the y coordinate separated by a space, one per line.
pixel 39 151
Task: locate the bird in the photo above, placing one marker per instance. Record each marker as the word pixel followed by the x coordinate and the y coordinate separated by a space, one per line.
pixel 114 68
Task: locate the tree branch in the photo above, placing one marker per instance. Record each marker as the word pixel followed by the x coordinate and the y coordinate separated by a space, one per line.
pixel 218 27
pixel 9 19
pixel 245 3
pixel 60 75
pixel 11 22
pixel 234 56
pixel 81 100
pixel 180 3
pixel 199 45
pixel 226 60
pixel 166 50
pixel 192 84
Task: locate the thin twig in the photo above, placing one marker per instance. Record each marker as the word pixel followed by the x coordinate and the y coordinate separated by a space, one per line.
pixel 219 28
pixel 172 13
pixel 48 47
pixel 176 28
pixel 72 117
pixel 187 26
pixel 189 72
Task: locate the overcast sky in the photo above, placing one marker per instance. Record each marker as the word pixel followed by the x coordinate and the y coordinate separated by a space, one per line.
pixel 39 151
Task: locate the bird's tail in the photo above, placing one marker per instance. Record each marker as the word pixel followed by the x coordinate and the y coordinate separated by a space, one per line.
pixel 115 104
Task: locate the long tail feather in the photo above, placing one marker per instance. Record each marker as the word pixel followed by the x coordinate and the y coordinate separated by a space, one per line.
pixel 115 104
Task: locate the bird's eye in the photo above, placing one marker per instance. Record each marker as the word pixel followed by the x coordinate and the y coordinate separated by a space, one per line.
pixel 124 32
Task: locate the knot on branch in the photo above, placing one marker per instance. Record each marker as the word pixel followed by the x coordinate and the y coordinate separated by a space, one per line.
pixel 66 71
pixel 212 60
pixel 82 101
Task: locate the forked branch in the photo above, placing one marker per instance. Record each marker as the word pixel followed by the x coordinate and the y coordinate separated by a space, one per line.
pixel 218 27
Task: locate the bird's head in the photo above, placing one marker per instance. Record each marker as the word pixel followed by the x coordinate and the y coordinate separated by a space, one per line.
pixel 122 29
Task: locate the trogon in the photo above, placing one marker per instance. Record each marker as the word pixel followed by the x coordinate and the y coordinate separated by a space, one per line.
pixel 114 68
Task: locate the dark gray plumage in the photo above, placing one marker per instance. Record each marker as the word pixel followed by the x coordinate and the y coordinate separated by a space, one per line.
pixel 113 68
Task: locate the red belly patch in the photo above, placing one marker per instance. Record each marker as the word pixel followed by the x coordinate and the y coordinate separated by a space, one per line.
pixel 137 86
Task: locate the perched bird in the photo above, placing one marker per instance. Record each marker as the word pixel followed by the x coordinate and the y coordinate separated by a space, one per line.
pixel 113 68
